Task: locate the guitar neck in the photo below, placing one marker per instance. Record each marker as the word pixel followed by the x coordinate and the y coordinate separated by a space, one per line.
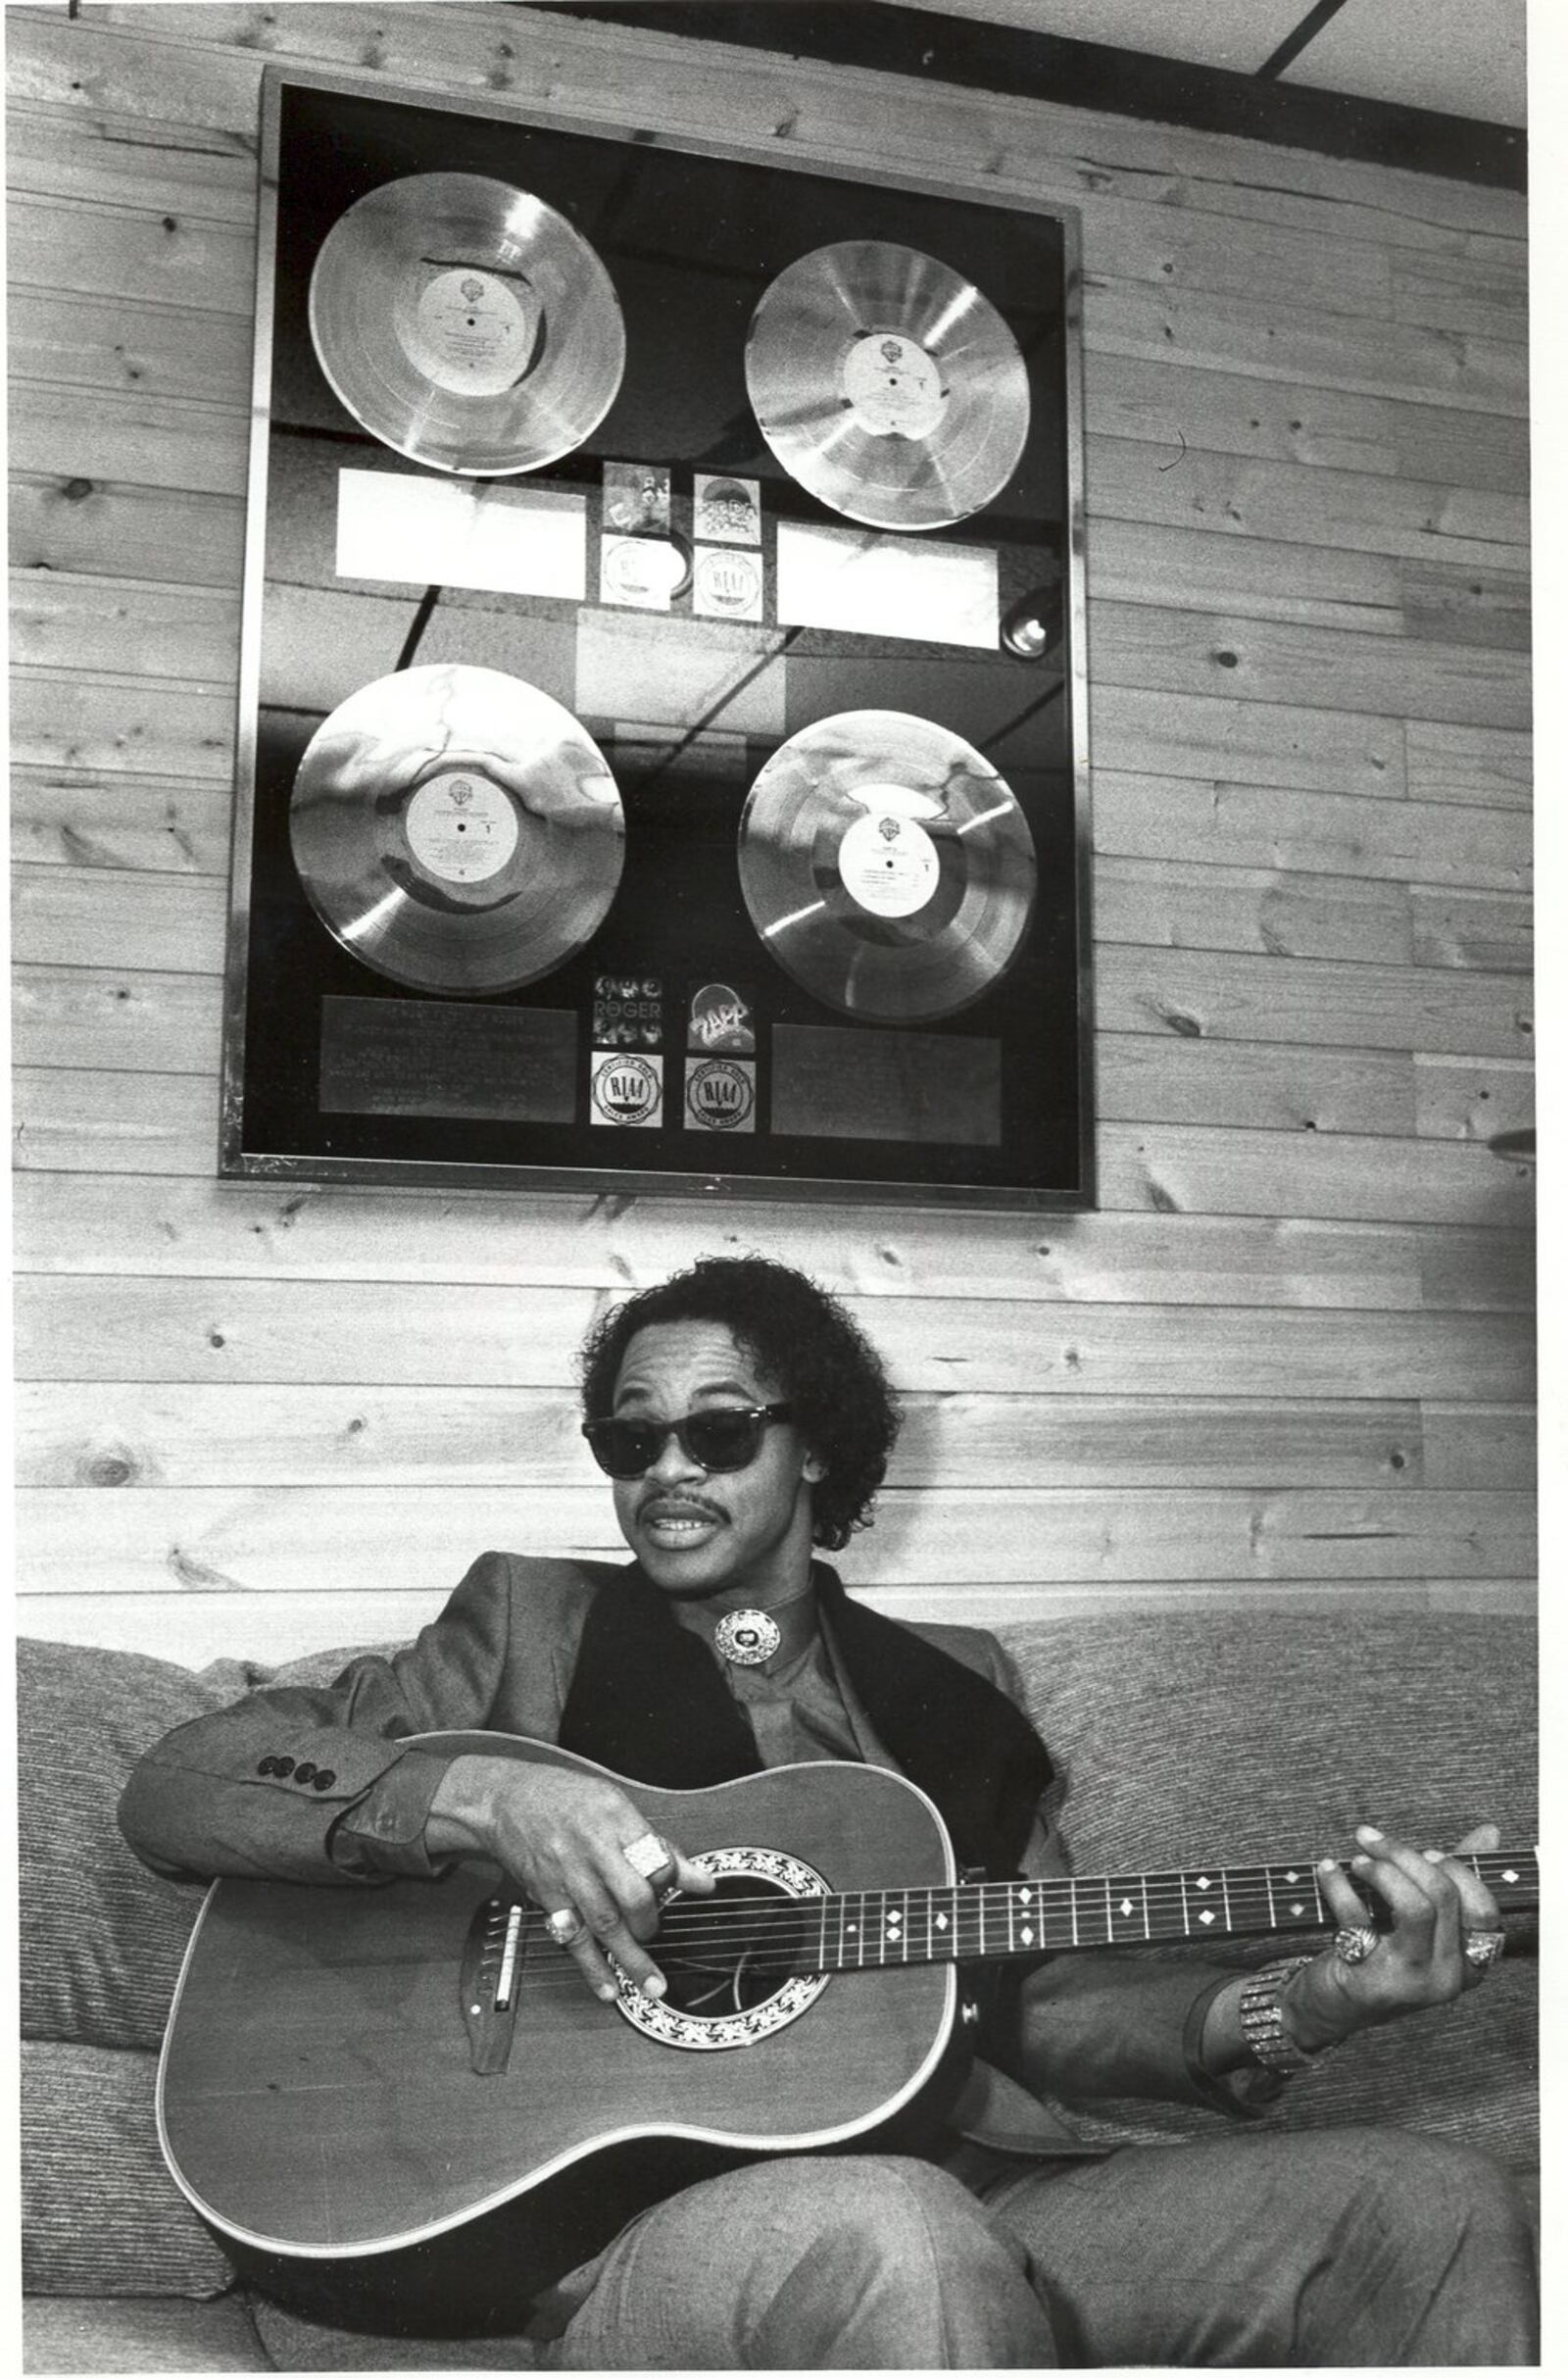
pixel 984 1922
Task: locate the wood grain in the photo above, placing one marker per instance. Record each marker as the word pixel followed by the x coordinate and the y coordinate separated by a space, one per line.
pixel 356 1332
pixel 1354 516
pixel 82 343
pixel 100 817
pixel 1161 404
pixel 172 536
pixel 1226 821
pixel 264 1540
pixel 72 1433
pixel 138 725
pixel 131 433
pixel 197 1229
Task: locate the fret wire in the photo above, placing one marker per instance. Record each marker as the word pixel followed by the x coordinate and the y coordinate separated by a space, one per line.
pixel 1225 1895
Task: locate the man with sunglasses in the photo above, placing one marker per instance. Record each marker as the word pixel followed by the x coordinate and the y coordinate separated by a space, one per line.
pixel 745 1423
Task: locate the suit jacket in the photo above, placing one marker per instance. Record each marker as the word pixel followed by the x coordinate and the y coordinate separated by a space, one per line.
pixel 318 1784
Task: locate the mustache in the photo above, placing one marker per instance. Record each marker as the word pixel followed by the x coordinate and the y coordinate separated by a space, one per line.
pixel 668 1505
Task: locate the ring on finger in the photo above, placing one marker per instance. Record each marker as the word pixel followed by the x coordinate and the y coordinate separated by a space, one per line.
pixel 648 1854
pixel 1353 1944
pixel 565 1927
pixel 1482 1949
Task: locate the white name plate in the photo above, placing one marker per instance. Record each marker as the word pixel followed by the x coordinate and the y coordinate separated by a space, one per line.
pixel 440 533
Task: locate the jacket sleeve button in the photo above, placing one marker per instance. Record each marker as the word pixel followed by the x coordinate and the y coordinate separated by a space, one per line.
pixel 267 1766
pixel 305 1772
pixel 282 1767
pixel 324 1778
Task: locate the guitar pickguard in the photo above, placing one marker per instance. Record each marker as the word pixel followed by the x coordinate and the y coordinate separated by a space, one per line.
pixel 719 2003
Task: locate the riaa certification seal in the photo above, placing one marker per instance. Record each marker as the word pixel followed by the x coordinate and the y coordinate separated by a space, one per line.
pixel 721 1094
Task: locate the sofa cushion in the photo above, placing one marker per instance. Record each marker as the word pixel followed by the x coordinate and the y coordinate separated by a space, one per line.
pixel 100 2214
pixel 1187 1736
pixel 1179 1740
pixel 97 2333
pixel 102 1938
pixel 296 2343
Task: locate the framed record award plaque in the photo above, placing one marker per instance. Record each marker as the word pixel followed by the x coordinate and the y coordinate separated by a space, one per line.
pixel 661 738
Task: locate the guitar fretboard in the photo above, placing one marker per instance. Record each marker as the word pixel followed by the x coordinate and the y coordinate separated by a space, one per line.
pixel 983 1922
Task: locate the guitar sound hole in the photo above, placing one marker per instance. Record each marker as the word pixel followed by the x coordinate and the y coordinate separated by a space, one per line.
pixel 724 1955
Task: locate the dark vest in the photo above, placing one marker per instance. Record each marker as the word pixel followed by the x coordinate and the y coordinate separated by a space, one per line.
pixel 647 1701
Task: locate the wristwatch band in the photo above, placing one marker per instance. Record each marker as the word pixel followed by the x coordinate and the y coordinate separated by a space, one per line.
pixel 1263 2023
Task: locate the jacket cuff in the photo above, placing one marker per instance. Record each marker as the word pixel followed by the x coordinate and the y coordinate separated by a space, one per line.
pixel 384 1833
pixel 1245 2093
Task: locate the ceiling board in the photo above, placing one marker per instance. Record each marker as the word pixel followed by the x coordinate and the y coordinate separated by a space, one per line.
pixel 1237 35
pixel 1462 57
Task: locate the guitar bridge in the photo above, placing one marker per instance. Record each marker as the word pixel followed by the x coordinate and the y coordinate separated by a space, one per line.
pixel 491 1982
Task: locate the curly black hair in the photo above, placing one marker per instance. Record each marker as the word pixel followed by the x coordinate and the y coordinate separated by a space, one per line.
pixel 805 1340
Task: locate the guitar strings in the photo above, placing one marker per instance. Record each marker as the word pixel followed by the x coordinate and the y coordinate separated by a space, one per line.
pixel 736 1925
pixel 1083 1894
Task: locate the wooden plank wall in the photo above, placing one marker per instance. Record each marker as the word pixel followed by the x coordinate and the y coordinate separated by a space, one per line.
pixel 1288 1364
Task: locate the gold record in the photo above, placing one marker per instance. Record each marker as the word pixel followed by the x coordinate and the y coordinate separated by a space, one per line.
pixel 467 324
pixel 886 385
pixel 887 866
pixel 456 829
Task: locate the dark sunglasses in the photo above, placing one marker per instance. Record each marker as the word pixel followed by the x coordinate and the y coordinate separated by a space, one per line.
pixel 726 1438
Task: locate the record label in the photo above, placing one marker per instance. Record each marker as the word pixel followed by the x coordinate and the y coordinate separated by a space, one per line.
pixel 468 332
pixel 892 386
pixel 460 828
pixel 888 862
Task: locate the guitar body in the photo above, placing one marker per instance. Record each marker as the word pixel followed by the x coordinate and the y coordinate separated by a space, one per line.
pixel 370 2151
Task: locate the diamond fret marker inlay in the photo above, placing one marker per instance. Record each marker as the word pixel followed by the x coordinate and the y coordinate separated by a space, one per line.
pixel 1202 1882
pixel 1291 1875
pixel 1027 1936
pixel 942 1923
pixel 1125 1908
pixel 1297 1908
pixel 1207 1916
pixel 1510 1874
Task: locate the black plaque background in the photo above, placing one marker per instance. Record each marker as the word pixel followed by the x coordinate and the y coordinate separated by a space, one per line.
pixel 691 242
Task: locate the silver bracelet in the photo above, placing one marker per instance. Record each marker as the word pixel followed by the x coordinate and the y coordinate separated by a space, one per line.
pixel 1262 2019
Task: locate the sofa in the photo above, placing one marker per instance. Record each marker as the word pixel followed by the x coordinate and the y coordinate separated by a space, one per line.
pixel 1178 1737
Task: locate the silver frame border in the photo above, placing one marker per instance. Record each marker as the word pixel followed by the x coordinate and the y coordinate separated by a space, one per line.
pixel 234 1164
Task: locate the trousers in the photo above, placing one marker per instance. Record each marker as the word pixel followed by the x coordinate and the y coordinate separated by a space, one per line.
pixel 1336 2247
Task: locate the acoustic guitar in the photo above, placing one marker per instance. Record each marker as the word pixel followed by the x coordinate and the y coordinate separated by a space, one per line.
pixel 400 2107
